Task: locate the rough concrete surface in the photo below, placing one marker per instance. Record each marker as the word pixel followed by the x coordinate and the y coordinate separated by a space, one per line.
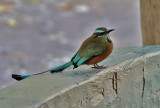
pixel 131 81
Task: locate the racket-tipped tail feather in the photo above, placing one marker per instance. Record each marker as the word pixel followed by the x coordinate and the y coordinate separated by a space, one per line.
pixel 20 77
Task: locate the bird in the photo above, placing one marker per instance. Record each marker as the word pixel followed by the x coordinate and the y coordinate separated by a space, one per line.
pixel 93 50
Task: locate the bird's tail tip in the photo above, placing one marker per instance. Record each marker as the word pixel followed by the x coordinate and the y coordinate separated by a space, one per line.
pixel 17 77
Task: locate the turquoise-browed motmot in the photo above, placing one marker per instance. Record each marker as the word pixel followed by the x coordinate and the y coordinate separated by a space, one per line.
pixel 93 50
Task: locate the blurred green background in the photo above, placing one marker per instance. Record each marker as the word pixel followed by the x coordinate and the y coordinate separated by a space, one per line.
pixel 36 35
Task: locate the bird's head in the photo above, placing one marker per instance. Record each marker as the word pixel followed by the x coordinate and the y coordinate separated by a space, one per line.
pixel 102 31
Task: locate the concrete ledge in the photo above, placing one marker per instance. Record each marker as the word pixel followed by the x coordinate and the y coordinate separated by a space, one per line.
pixel 131 81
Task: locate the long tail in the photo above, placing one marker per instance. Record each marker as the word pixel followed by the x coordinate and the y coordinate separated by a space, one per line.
pixel 54 70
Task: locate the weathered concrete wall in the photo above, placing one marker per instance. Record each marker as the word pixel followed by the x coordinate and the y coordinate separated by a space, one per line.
pixel 131 81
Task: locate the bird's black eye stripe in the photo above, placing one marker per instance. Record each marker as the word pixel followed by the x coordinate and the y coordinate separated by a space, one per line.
pixel 99 34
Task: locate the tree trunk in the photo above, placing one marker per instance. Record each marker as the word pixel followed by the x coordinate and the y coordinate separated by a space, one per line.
pixel 150 21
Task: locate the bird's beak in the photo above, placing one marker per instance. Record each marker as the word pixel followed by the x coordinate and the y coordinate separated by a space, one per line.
pixel 108 31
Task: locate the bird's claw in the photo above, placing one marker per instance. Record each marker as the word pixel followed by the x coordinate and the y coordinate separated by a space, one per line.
pixel 99 67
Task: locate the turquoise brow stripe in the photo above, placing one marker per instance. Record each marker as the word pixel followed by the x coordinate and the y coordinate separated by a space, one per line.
pixel 98 31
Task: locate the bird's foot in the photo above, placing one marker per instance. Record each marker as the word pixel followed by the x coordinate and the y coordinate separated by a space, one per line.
pixel 99 67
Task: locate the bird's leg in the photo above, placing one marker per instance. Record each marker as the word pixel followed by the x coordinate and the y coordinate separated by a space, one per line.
pixel 99 67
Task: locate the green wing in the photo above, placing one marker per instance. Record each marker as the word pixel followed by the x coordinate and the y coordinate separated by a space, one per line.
pixel 91 49
pixel 86 52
